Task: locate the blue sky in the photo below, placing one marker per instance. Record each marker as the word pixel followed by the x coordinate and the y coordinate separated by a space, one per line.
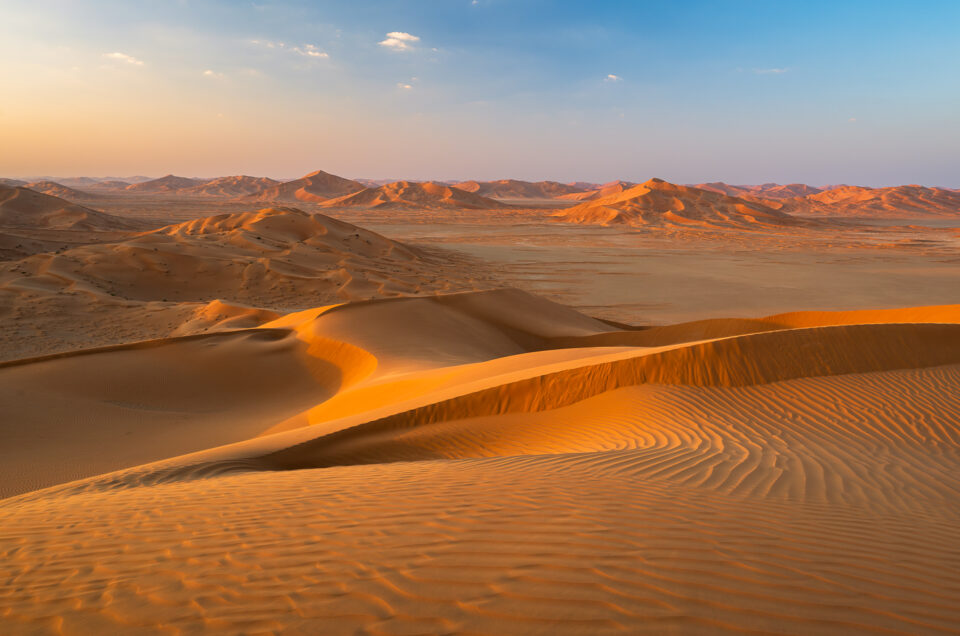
pixel 745 92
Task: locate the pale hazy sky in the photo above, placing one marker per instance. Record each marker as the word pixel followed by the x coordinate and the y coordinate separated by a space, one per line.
pixel 857 91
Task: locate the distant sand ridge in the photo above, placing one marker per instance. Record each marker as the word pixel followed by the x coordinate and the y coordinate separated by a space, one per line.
pixel 658 203
pixel 413 195
pixel 489 462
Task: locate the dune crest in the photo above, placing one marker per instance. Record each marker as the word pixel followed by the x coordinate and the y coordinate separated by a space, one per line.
pixel 315 187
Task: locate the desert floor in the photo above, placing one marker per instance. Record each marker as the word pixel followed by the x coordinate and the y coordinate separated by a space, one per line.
pixel 479 422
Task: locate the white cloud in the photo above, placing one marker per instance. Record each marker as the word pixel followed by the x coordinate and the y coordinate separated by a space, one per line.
pixel 268 44
pixel 612 78
pixel 214 74
pixel 770 71
pixel 399 41
pixel 309 50
pixel 123 57
pixel 405 87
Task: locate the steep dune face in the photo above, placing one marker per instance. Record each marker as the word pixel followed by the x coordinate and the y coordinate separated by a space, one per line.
pixel 149 284
pixel 414 195
pixel 898 201
pixel 515 189
pixel 315 187
pixel 657 203
pixel 167 184
pixel 606 190
pixel 473 463
pixel 237 186
pixel 26 208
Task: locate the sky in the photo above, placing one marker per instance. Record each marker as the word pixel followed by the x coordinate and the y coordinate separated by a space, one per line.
pixel 864 92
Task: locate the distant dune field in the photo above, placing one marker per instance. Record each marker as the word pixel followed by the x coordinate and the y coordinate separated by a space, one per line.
pixel 231 420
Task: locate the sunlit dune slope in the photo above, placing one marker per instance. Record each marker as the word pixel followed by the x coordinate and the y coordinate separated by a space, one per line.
pixel 315 187
pixel 409 195
pixel 605 190
pixel 492 463
pixel 658 203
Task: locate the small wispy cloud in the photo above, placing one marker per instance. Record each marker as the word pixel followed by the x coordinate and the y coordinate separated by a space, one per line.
pixel 399 41
pixel 612 78
pixel 404 86
pixel 310 50
pixel 852 119
pixel 770 71
pixel 269 44
pixel 123 57
pixel 213 74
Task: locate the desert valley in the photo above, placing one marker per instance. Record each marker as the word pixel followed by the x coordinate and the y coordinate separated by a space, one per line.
pixel 327 406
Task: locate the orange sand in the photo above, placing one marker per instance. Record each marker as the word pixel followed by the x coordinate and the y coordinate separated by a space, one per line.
pixel 490 463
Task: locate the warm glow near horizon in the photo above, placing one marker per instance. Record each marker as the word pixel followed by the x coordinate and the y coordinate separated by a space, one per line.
pixel 817 92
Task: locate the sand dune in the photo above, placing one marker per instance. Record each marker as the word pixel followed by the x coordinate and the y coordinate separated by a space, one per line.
pixel 414 195
pixel 26 208
pixel 605 190
pixel 151 284
pixel 315 187
pixel 167 184
pixel 658 203
pixel 515 189
pixel 898 202
pixel 57 190
pixel 231 186
pixel 764 191
pixel 491 463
